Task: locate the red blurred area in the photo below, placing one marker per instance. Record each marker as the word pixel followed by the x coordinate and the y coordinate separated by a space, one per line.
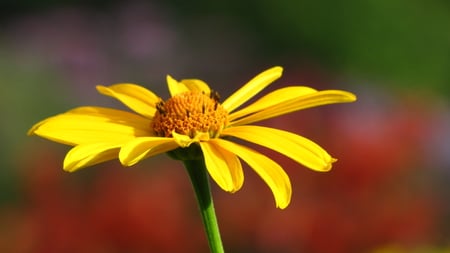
pixel 111 209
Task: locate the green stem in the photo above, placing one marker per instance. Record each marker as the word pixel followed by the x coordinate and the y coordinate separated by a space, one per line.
pixel 200 181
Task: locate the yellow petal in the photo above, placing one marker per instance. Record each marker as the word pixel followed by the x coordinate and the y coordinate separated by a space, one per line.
pixel 196 85
pixel 252 88
pixel 111 115
pixel 223 166
pixel 143 147
pixel 298 148
pixel 295 104
pixel 85 155
pixel 175 87
pixel 136 97
pixel 267 169
pixel 273 98
pixel 182 140
pixel 185 140
pixel 185 85
pixel 92 124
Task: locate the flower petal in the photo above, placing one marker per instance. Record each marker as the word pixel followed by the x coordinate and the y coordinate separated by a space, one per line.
pixel 295 104
pixel 185 140
pixel 111 115
pixel 273 98
pixel 298 148
pixel 223 166
pixel 143 147
pixel 186 85
pixel 85 155
pixel 92 124
pixel 136 97
pixel 250 89
pixel 175 87
pixel 182 140
pixel 196 85
pixel 267 169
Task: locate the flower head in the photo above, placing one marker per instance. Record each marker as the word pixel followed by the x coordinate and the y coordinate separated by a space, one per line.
pixel 193 124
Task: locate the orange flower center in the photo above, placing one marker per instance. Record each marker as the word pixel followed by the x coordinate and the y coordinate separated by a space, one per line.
pixel 189 113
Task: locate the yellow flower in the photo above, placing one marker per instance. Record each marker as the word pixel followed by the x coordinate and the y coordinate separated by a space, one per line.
pixel 194 119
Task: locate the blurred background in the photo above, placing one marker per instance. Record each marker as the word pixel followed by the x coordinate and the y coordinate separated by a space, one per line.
pixel 388 193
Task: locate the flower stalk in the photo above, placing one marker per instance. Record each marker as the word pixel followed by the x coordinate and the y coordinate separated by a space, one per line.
pixel 200 182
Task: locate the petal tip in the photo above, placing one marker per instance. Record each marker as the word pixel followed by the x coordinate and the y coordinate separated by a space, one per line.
pixel 328 165
pixel 351 97
pixel 169 78
pixel 282 206
pixel 69 169
pixel 31 131
pixel 276 71
pixel 283 203
pixel 278 68
pixel 101 88
pixel 69 166
pixel 125 159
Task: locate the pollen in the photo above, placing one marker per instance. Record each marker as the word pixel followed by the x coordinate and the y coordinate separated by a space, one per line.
pixel 189 113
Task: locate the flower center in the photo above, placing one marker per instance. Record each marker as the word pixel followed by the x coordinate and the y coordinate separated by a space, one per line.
pixel 189 113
